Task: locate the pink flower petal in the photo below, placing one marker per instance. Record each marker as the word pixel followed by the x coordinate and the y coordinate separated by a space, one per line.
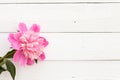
pixel 22 27
pixel 42 56
pixel 35 28
pixel 30 62
pixel 23 60
pixel 11 38
pixel 45 42
pixel 17 36
pixel 16 45
pixel 16 56
pixel 14 37
pixel 14 40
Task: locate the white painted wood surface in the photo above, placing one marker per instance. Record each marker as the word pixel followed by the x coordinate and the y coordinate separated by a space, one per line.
pixel 54 1
pixel 77 46
pixel 62 17
pixel 68 70
pixel 84 37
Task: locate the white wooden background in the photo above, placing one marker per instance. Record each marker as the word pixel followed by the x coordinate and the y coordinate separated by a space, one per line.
pixel 84 37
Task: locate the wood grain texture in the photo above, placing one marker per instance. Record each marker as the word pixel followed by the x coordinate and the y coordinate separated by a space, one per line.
pixel 77 46
pixel 83 35
pixel 62 17
pixel 67 70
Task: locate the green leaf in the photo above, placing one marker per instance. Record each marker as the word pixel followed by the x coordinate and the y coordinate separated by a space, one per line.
pixel 1 59
pixel 1 63
pixel 11 68
pixel 10 54
pixel 2 69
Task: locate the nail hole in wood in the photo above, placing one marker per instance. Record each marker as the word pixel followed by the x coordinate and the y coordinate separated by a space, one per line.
pixel 74 21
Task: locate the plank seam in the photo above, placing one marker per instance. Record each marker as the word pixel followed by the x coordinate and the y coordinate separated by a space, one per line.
pixel 62 3
pixel 68 32
pixel 90 60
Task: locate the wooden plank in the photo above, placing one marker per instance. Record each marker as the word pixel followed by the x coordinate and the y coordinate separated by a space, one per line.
pixel 67 70
pixel 59 1
pixel 77 46
pixel 62 17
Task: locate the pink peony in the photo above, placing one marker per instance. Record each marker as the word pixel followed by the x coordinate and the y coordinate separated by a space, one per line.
pixel 28 43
